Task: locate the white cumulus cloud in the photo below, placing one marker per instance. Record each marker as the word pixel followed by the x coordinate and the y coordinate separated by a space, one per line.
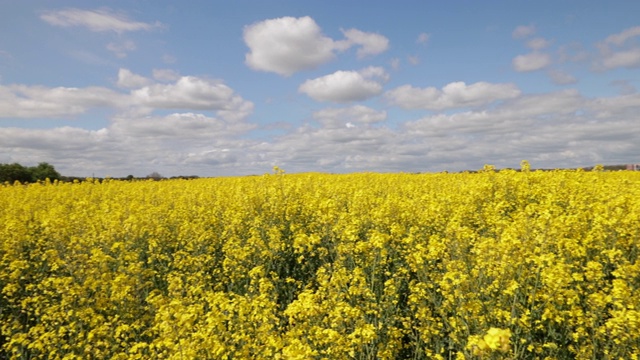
pixel 625 58
pixel 122 48
pixel 624 87
pixel 618 51
pixel 561 78
pixel 370 43
pixel 165 75
pixel 287 45
pixel 129 80
pixel 100 20
pixel 145 96
pixel 346 86
pixel 538 43
pixel 341 117
pixel 189 92
pixel 22 101
pixel 558 129
pixel 523 31
pixel 531 62
pixel 622 37
pixel 453 95
pixel 187 126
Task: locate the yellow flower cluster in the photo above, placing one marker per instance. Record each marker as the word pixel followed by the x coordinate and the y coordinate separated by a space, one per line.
pixel 495 340
pixel 486 265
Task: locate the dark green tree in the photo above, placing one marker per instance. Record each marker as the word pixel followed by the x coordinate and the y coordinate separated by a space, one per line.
pixel 154 175
pixel 44 171
pixel 14 172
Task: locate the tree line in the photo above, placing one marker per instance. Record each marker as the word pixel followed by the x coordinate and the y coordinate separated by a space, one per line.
pixel 10 173
pixel 16 172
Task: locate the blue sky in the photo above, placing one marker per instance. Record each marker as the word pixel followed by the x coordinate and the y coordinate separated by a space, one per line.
pixel 215 88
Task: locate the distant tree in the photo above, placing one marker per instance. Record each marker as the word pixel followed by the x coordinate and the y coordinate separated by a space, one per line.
pixel 154 175
pixel 14 172
pixel 44 171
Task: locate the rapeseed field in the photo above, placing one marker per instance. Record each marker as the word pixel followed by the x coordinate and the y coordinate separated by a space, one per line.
pixel 488 265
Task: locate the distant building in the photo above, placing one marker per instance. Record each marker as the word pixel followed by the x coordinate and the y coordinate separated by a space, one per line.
pixel 633 167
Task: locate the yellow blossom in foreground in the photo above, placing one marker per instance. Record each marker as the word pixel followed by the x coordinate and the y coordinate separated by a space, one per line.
pixel 493 264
